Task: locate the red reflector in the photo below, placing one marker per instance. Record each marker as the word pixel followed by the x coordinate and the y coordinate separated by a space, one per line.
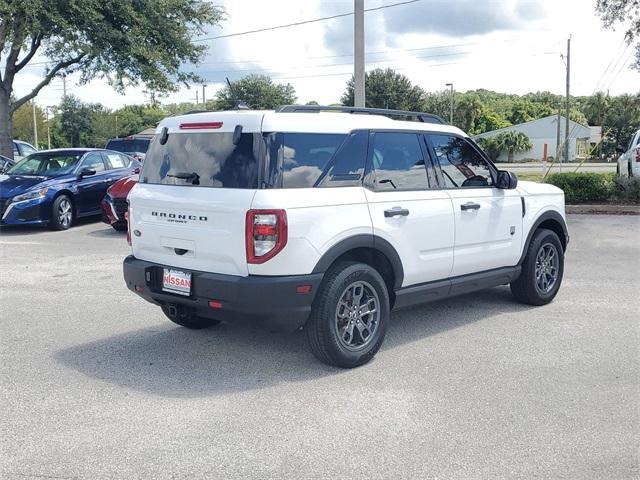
pixel 215 304
pixel 264 230
pixel 200 125
pixel 303 289
pixel 139 288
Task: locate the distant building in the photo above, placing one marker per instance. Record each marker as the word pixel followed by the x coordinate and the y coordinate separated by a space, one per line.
pixel 543 133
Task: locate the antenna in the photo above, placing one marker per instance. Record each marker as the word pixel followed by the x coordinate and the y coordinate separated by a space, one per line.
pixel 237 103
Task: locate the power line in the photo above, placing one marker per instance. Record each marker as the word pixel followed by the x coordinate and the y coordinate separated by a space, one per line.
pixel 303 22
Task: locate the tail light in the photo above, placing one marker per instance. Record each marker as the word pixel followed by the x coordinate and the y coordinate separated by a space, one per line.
pixel 266 234
pixel 127 217
pixel 638 155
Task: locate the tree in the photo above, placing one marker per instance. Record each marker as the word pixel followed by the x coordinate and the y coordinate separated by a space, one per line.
pixel 387 89
pixel 512 142
pixel 258 92
pixel 145 41
pixel 628 13
pixel 75 121
pixel 491 147
pixel 23 125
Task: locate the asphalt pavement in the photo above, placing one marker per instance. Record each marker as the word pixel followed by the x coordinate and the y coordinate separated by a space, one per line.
pixel 97 384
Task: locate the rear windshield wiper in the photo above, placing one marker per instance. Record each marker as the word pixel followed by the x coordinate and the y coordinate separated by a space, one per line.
pixel 192 177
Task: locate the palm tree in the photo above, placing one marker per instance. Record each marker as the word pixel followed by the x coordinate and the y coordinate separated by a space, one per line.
pixel 513 142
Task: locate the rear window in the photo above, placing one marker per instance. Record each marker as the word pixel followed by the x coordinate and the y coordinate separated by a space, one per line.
pixel 204 160
pixel 140 145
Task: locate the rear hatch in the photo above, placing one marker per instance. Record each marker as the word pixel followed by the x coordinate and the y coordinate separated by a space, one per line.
pixel 188 210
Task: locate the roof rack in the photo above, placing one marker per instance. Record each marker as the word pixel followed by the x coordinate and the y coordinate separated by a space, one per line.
pixel 418 116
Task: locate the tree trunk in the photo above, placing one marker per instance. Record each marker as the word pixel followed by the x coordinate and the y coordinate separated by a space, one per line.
pixel 510 157
pixel 6 126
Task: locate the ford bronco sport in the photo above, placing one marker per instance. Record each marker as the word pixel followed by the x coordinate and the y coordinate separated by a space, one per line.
pixel 310 218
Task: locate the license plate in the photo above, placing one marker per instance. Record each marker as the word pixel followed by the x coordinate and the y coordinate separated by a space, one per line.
pixel 176 281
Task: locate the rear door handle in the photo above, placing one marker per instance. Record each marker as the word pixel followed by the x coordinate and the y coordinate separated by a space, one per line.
pixel 470 206
pixel 396 212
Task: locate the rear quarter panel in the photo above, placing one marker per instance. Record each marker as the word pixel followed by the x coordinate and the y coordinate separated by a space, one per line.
pixel 318 218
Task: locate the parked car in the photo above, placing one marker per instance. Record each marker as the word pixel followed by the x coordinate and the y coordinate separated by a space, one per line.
pixel 326 221
pixel 134 145
pixel 55 187
pixel 114 203
pixel 22 149
pixel 6 163
pixel 629 161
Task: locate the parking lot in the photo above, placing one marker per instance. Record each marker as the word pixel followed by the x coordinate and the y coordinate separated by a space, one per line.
pixel 96 383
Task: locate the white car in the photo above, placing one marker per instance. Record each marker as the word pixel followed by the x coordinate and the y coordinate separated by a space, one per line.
pixel 326 221
pixel 629 161
pixel 22 149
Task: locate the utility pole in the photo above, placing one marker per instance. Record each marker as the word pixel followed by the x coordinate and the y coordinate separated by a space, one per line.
pixel 64 86
pixel 450 85
pixel 46 109
pixel 197 99
pixel 35 125
pixel 566 133
pixel 558 152
pixel 203 98
pixel 358 52
pixel 116 126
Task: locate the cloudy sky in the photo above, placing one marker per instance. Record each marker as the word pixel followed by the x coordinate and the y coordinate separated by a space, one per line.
pixel 509 46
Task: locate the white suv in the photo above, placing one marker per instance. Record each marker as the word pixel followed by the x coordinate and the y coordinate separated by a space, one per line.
pixel 307 218
pixel 629 160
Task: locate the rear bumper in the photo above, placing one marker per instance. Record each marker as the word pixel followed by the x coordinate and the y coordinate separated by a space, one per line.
pixel 269 302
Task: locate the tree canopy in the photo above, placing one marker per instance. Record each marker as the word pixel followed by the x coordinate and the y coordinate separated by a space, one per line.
pixel 257 91
pixel 387 89
pixel 626 12
pixel 126 42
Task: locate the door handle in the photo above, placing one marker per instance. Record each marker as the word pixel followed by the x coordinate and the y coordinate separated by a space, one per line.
pixel 396 212
pixel 469 206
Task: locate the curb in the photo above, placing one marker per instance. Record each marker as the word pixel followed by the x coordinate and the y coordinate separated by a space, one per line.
pixel 603 209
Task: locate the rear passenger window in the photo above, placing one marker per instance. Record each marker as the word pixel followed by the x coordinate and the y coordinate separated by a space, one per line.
pixel 305 156
pixel 461 165
pixel 116 161
pixel 398 162
pixel 347 167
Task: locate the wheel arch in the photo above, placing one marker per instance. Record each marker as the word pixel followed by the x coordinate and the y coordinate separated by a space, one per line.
pixel 550 220
pixel 369 249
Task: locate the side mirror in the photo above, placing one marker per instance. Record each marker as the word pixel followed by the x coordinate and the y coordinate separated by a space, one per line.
pixel 506 180
pixel 87 172
pixel 620 149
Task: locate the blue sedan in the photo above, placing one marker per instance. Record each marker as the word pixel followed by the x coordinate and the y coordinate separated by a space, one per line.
pixel 55 187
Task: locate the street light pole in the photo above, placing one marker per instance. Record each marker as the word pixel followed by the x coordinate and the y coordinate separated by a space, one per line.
pixel 450 85
pixel 35 124
pixel 46 109
pixel 116 126
pixel 358 54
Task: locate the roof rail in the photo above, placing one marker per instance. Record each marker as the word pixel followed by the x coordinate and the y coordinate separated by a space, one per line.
pixel 418 116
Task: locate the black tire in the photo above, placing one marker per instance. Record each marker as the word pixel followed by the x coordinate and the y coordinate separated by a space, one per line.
pixel 62 213
pixel 119 227
pixel 185 317
pixel 327 319
pixel 530 287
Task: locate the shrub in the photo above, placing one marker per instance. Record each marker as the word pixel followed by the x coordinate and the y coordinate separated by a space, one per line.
pixel 627 189
pixel 583 187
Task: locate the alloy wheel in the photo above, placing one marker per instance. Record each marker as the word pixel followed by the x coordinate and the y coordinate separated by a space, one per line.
pixel 357 316
pixel 547 266
pixel 65 213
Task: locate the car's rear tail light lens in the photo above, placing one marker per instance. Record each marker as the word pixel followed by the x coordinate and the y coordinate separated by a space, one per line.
pixel 638 155
pixel 266 234
pixel 127 217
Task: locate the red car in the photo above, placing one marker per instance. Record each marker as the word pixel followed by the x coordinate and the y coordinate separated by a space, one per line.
pixel 114 203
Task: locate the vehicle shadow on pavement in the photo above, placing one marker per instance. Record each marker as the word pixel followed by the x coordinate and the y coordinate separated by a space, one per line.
pixel 176 362
pixel 107 232
pixel 18 230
